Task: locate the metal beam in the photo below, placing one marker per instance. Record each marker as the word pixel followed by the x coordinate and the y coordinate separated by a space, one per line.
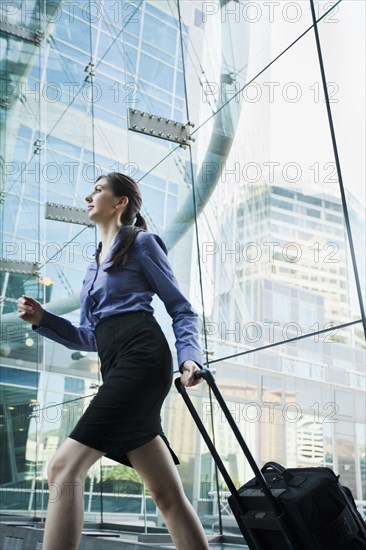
pixel 68 214
pixel 18 266
pixel 35 37
pixel 160 127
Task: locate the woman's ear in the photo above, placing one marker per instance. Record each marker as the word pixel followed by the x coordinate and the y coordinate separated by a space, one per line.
pixel 123 202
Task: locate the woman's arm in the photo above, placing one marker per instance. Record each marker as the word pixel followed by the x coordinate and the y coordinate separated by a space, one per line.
pixel 157 270
pixel 57 328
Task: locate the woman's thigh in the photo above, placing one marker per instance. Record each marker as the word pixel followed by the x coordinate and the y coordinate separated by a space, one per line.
pixel 74 458
pixel 155 465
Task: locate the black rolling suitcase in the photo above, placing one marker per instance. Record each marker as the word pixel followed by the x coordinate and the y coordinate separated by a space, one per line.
pixel 279 509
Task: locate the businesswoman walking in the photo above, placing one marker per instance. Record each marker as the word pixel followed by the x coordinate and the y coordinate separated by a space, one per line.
pixel 122 421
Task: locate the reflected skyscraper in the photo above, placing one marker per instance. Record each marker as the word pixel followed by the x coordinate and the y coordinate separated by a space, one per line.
pixel 265 264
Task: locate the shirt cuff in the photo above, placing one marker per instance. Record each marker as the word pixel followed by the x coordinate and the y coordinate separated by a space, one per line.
pixel 49 320
pixel 197 358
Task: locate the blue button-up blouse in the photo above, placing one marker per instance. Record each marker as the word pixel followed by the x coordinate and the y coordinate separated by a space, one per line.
pixel 131 288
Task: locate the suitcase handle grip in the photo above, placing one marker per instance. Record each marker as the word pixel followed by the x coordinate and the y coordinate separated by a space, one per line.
pixel 200 374
pixel 287 476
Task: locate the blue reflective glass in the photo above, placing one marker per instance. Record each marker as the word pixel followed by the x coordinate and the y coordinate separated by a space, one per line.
pixel 121 18
pixel 171 208
pixel 282 217
pixel 153 202
pixel 179 103
pixel 61 66
pixel 308 314
pixel 72 54
pixel 333 206
pixel 64 146
pixel 179 90
pixel 284 192
pixel 198 18
pixel 160 15
pixel 24 132
pixel 160 34
pixel 9 215
pixel 179 116
pixel 106 42
pixel 131 39
pixel 309 199
pixel 76 32
pixel 112 116
pixel 153 91
pixel 131 58
pixel 155 181
pixel 282 204
pixel 131 16
pixel 156 72
pixel 333 218
pixel 157 52
pixel 173 188
pixel 22 148
pixel 313 212
pixel 74 385
pixel 281 308
pixel 19 377
pixel 152 105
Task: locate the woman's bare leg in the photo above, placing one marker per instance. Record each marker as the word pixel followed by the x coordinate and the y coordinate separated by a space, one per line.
pixel 155 465
pixel 66 477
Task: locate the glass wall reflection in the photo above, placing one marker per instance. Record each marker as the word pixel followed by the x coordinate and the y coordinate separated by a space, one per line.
pixel 272 267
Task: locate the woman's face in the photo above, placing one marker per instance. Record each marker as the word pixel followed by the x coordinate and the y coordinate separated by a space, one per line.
pixel 103 204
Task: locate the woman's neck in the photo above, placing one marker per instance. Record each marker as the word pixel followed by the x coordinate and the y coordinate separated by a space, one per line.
pixel 108 235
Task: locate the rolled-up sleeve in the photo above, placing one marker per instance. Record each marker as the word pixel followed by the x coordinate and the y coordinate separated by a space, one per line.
pixel 60 330
pixel 158 272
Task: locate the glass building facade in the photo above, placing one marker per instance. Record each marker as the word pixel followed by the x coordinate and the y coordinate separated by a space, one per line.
pixel 259 234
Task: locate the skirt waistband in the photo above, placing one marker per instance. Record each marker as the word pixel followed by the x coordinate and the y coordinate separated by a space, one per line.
pixel 127 315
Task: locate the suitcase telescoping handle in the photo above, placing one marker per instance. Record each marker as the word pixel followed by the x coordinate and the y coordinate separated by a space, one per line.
pixel 207 375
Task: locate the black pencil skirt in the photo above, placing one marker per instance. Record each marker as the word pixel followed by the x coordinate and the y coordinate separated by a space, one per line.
pixel 137 372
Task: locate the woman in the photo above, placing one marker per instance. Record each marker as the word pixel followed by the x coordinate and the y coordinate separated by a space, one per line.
pixel 116 320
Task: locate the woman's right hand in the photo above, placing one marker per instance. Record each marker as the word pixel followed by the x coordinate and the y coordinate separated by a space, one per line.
pixel 30 310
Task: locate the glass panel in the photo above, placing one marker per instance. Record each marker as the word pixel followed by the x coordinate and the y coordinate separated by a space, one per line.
pixel 298 419
pixel 281 264
pixel 272 246
pixel 346 95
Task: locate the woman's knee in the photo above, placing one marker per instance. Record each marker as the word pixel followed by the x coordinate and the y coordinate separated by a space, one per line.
pixel 167 498
pixel 64 465
pixel 61 466
pixel 72 460
pixel 162 499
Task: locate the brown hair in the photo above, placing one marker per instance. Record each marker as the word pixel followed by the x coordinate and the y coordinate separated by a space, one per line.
pixel 131 219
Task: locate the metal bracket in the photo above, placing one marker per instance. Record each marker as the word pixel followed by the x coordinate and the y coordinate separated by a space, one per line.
pixel 90 73
pixel 35 37
pixel 69 214
pixel 37 146
pixel 160 127
pixel 4 103
pixel 17 266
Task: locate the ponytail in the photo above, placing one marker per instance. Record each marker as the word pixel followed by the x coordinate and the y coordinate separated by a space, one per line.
pixel 140 221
